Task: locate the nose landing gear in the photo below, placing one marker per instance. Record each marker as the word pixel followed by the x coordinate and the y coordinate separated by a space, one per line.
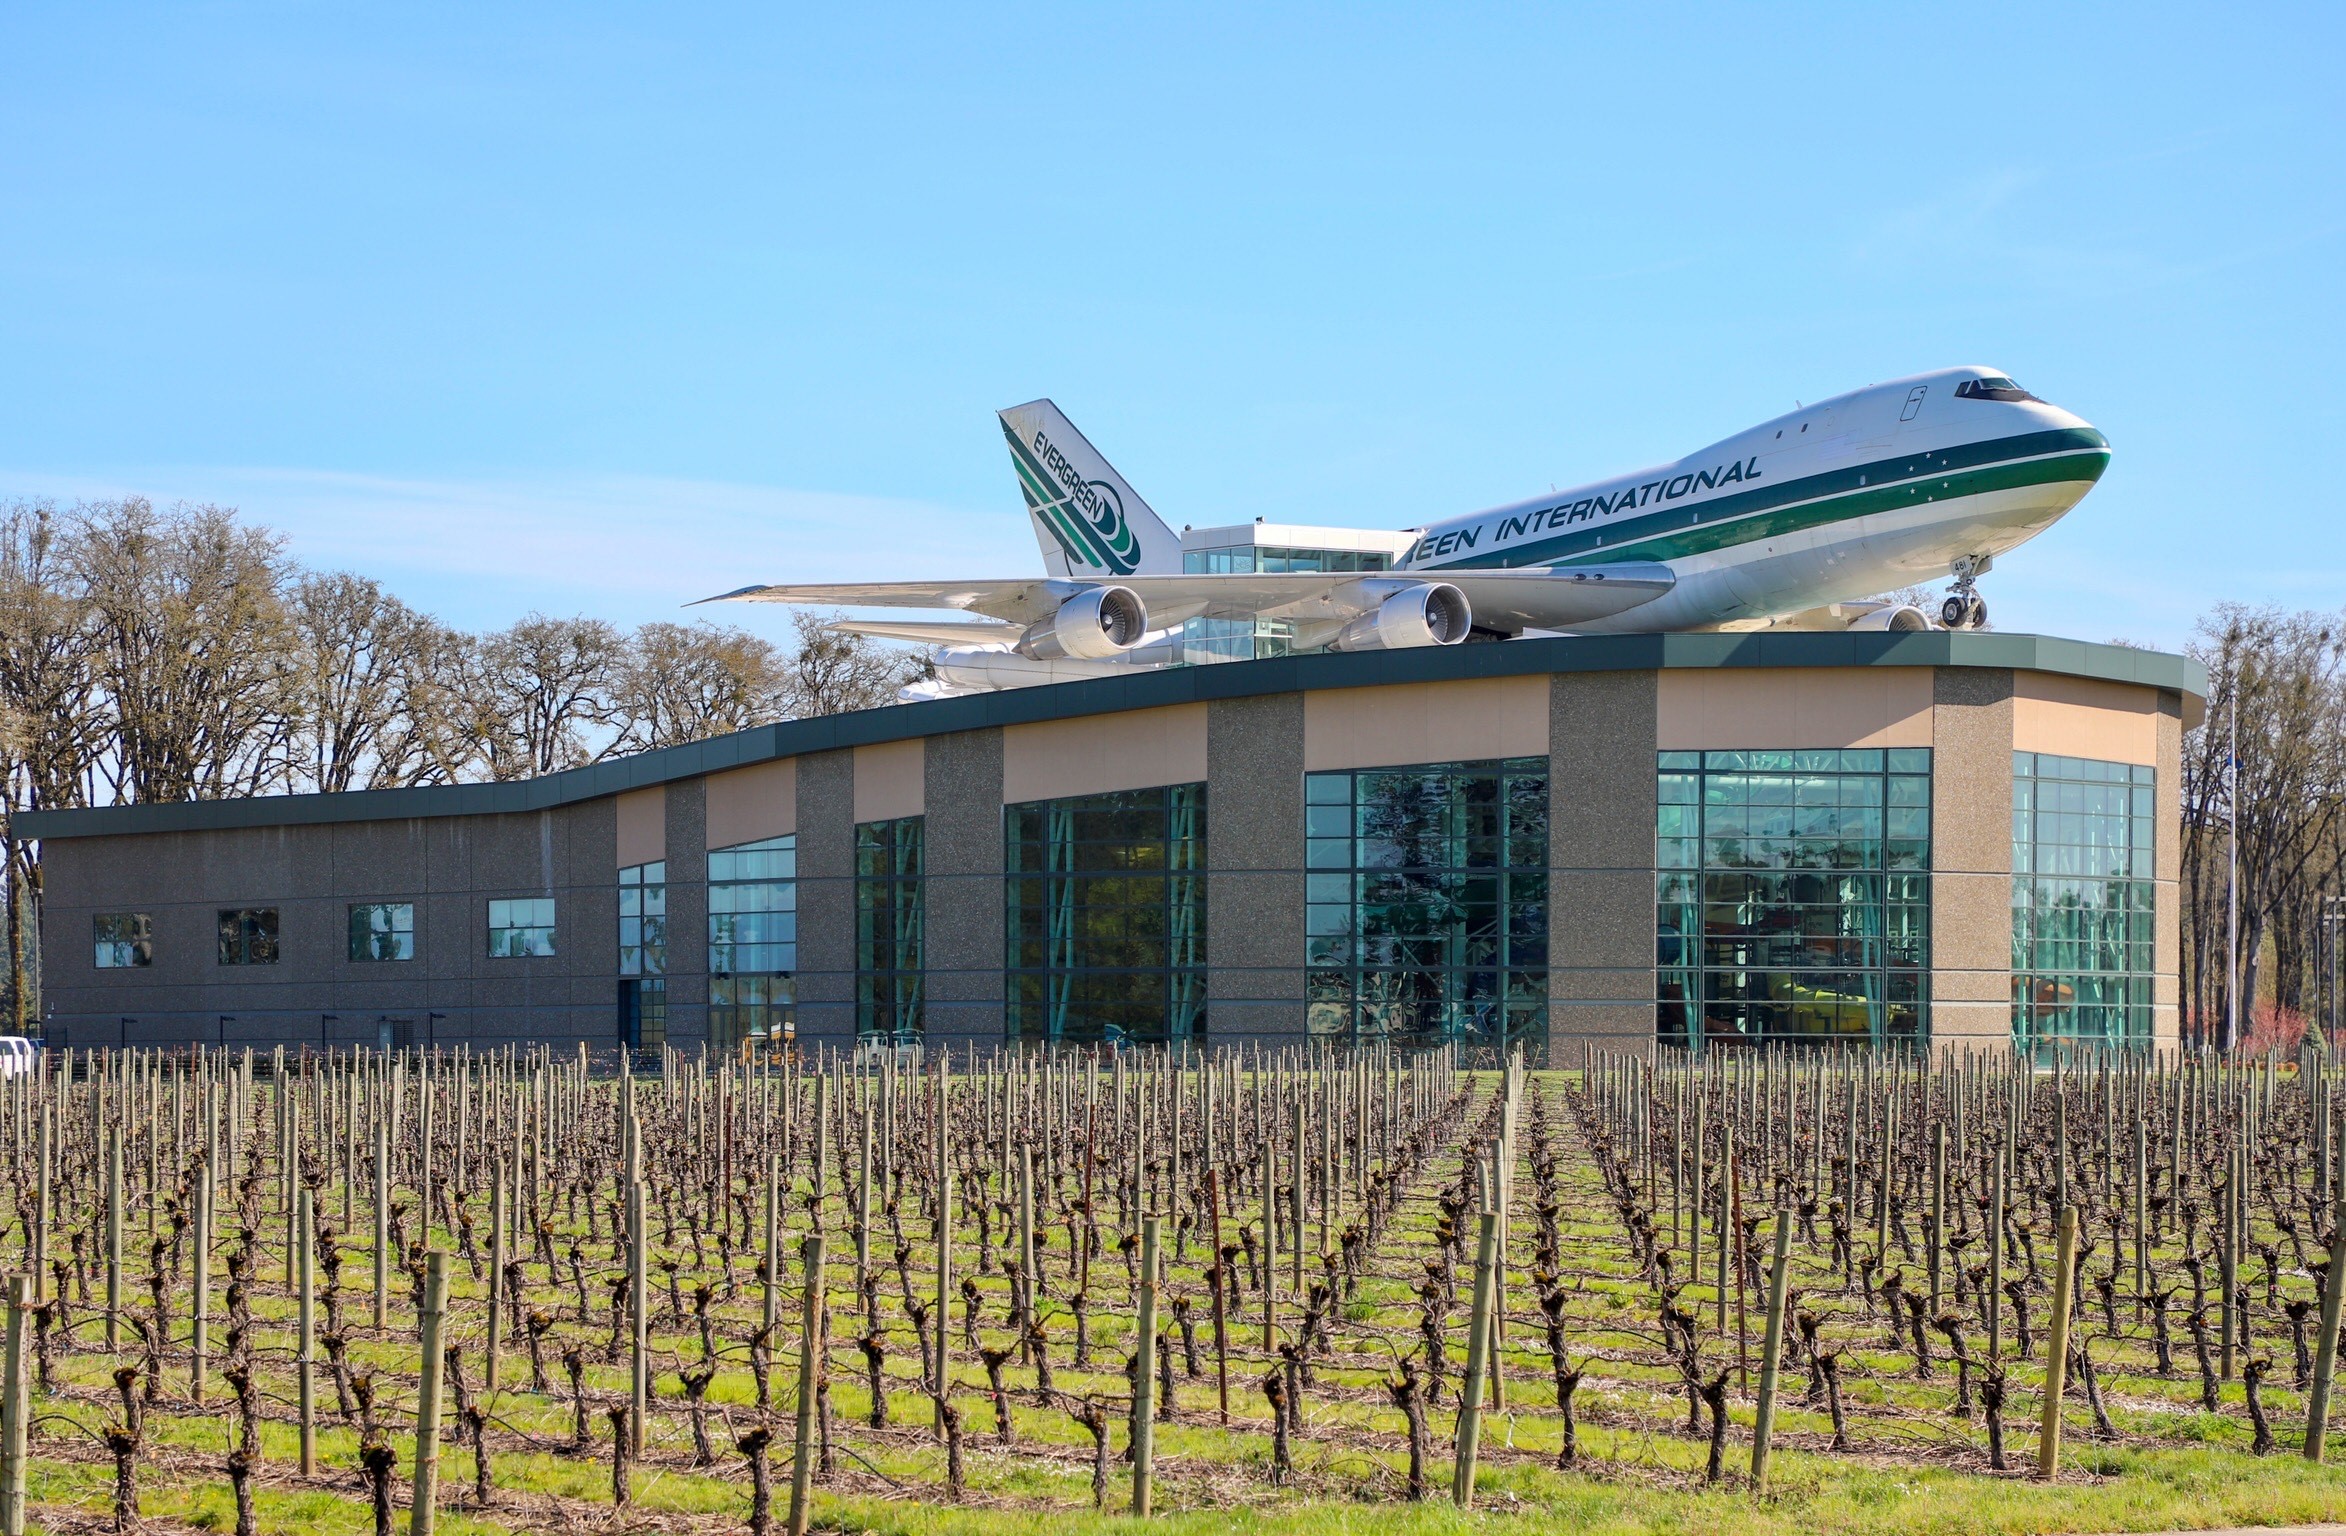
pixel 1964 607
pixel 1966 610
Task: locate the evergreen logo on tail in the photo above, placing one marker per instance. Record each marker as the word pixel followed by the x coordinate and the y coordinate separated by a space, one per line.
pixel 1088 519
pixel 1086 516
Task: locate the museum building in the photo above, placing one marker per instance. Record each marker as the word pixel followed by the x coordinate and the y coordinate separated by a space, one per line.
pixel 1943 840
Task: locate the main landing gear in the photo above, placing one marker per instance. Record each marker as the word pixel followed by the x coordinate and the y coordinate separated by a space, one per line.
pixel 1964 607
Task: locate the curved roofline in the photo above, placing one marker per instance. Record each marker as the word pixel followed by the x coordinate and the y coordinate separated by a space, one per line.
pixel 1144 690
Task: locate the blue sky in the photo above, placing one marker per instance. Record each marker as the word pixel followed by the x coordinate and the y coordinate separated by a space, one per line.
pixel 597 309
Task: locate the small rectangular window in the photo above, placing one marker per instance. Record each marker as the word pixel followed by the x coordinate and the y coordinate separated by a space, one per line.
pixel 248 936
pixel 382 930
pixel 124 939
pixel 521 928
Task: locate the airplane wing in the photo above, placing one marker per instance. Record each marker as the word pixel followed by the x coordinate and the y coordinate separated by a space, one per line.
pixel 1020 600
pixel 966 632
pixel 1537 598
pixel 1512 599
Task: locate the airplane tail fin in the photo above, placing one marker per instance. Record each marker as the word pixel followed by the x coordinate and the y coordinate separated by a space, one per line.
pixel 1087 520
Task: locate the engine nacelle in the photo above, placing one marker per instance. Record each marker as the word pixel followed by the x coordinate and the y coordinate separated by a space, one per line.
pixel 1895 618
pixel 1429 613
pixel 1093 625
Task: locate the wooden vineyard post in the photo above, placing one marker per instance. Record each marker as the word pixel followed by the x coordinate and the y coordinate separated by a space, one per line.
pixel 1270 1285
pixel 2325 1358
pixel 1726 1228
pixel 43 1201
pixel 1937 1235
pixel 201 1341
pixel 2228 1258
pixel 944 1238
pixel 1995 1302
pixel 305 1354
pixel 427 1409
pixel 1478 1346
pixel 1298 1213
pixel 1144 1356
pixel 382 1222
pixel 639 1354
pixel 770 1304
pixel 113 1237
pixel 1221 1292
pixel 863 1194
pixel 15 1410
pixel 2048 1449
pixel 1771 1354
pixel 497 1216
pixel 810 1362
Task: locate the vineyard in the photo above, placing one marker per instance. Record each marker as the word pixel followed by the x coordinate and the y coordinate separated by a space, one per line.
pixel 1008 1291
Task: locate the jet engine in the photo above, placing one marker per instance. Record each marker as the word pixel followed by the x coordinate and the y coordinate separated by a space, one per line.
pixel 1896 618
pixel 1093 625
pixel 1426 613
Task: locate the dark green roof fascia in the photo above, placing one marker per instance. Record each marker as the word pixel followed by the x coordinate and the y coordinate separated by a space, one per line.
pixel 1143 690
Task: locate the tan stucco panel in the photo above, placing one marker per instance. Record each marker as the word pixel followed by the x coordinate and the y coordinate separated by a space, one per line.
pixel 1098 754
pixel 1793 707
pixel 749 805
pixel 2085 717
pixel 643 826
pixel 1463 721
pixel 891 780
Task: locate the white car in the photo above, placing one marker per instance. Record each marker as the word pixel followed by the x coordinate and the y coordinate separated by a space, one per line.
pixel 17 1056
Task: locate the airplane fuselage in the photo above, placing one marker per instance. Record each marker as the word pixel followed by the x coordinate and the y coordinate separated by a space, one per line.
pixel 1875 489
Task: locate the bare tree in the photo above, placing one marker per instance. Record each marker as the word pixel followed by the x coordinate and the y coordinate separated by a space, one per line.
pixel 831 673
pixel 196 652
pixel 49 733
pixel 355 644
pixel 441 730
pixel 687 682
pixel 2283 676
pixel 547 686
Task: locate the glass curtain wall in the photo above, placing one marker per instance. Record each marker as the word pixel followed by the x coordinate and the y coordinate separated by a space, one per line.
pixel 1428 892
pixel 1793 897
pixel 643 956
pixel 2083 901
pixel 753 944
pixel 1211 640
pixel 888 925
pixel 1107 916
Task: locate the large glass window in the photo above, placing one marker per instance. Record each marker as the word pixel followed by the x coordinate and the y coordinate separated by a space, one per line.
pixel 521 928
pixel 123 939
pixel 2083 913
pixel 1793 897
pixel 248 936
pixel 753 943
pixel 1428 891
pixel 1212 640
pixel 1107 916
pixel 382 930
pixel 643 1014
pixel 643 919
pixel 888 910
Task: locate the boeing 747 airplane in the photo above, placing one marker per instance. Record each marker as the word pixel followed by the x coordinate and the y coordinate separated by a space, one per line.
pixel 1795 523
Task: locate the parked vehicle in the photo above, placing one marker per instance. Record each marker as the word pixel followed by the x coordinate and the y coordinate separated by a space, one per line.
pixel 17 1056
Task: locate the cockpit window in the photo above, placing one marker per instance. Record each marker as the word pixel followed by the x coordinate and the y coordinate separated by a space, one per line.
pixel 1993 387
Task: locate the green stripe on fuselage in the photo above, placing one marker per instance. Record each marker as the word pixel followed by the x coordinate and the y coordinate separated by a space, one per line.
pixel 1884 485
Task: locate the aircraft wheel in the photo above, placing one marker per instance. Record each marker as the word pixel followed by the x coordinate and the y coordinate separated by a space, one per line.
pixel 1953 612
pixel 1979 613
